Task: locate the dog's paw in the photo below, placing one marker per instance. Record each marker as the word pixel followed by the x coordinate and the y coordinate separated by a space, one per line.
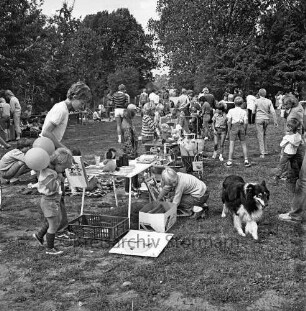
pixel 240 232
pixel 223 215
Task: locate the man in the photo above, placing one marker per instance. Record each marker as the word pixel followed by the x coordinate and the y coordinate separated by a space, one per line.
pixel 299 198
pixel 263 107
pixel 208 97
pixel 154 98
pixel 120 100
pixel 15 111
pixel 183 102
pixel 143 98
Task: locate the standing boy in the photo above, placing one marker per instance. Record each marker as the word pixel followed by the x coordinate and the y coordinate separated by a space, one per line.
pixel 237 121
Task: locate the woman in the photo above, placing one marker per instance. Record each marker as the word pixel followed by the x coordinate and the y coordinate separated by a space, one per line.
pixel 129 141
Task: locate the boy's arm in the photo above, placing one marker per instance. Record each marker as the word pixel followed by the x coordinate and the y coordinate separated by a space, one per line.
pixel 48 132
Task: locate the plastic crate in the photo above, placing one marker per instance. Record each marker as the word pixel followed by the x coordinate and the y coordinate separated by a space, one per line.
pixel 99 227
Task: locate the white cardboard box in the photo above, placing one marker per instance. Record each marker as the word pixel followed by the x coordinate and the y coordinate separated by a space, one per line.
pixel 160 221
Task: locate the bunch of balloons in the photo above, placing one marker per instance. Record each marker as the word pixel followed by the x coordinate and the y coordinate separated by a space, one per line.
pixel 38 157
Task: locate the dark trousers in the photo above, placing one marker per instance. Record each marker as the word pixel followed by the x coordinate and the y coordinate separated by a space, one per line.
pixel 251 117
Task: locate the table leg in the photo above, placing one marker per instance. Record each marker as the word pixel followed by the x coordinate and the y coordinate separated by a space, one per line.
pixel 115 192
pixel 130 201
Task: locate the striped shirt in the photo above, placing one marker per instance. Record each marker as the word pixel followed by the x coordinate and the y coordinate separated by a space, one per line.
pixel 120 100
pixel 148 126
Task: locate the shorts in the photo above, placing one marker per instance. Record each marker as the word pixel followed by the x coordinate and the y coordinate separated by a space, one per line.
pixel 237 130
pixel 50 205
pixel 119 112
pixel 220 130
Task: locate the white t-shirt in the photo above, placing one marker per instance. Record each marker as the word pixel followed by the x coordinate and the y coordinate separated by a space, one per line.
pixel 58 115
pixel 154 97
pixel 237 115
pixel 250 99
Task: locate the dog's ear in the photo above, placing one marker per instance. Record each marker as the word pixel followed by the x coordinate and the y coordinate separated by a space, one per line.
pixel 263 183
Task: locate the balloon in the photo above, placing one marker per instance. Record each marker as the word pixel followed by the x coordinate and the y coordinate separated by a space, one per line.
pixel 37 159
pixel 44 143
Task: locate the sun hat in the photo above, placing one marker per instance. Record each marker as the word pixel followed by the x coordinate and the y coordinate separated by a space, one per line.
pixel 132 107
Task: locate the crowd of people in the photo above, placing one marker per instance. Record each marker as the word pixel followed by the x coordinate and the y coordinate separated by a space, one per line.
pixel 169 119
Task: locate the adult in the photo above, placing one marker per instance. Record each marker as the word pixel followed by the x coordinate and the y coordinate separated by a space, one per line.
pixel 189 191
pixel 230 103
pixel 208 97
pixel 120 101
pixel 55 124
pixel 143 98
pixel 250 100
pixel 299 199
pixel 129 141
pixel 183 102
pixel 56 120
pixel 154 97
pixel 15 111
pixel 263 108
pixel 5 116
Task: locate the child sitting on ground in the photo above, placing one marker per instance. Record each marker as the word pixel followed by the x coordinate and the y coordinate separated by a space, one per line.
pixel 96 115
pixel 289 144
pixel 12 164
pixel 219 125
pixel 49 185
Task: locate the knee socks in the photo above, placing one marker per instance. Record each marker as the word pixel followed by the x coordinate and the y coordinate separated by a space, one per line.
pixel 50 239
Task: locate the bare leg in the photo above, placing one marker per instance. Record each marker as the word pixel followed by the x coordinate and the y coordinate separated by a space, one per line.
pixel 231 150
pixel 244 150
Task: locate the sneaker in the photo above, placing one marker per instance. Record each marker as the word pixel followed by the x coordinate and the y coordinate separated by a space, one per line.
pixel 66 235
pixel 214 155
pixel 262 156
pixel 247 163
pixel 206 138
pixel 38 239
pixel 221 158
pixel 229 163
pixel 288 217
pixel 53 251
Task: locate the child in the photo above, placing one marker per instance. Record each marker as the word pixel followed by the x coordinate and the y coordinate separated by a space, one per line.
pixel 206 116
pixel 219 125
pixel 49 185
pixel 96 115
pixel 12 164
pixel 289 144
pixel 110 160
pixel 237 121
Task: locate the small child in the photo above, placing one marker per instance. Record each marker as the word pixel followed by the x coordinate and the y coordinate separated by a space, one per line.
pixel 49 185
pixel 219 125
pixel 110 160
pixel 96 115
pixel 12 164
pixel 289 144
pixel 237 121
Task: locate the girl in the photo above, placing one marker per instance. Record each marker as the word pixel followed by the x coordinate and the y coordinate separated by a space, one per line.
pixel 49 185
pixel 219 125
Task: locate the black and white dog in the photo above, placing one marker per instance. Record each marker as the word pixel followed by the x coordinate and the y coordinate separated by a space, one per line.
pixel 246 202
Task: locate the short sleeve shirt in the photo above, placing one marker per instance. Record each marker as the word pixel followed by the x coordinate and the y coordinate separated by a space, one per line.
pixel 10 158
pixel 58 115
pixel 220 120
pixel 237 115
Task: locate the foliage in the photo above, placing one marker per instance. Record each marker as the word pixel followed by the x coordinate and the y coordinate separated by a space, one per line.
pixel 232 43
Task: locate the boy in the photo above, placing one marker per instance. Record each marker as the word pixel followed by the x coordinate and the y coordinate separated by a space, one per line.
pixel 12 164
pixel 219 125
pixel 290 143
pixel 237 121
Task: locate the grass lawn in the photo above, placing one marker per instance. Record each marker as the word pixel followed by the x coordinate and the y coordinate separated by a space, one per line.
pixel 206 266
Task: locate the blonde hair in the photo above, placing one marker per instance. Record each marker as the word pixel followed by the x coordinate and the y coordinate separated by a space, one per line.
pixel 61 156
pixel 169 176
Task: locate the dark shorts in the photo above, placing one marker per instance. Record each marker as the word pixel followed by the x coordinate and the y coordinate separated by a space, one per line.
pixel 237 130
pixel 220 130
pixel 50 205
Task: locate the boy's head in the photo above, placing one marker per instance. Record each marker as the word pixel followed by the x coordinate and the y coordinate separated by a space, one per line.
pixel 2 100
pixel 220 108
pixel 121 88
pixel 293 125
pixel 238 101
pixel 111 154
pixel 169 177
pixel 24 143
pixel 81 92
pixel 290 101
pixel 61 159
pixel 76 151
